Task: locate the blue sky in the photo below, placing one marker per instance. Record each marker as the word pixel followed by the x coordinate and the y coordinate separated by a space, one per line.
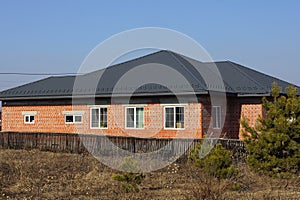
pixel 55 36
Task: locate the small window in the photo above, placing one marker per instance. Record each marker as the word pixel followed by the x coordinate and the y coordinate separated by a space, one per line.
pixel 98 117
pixel 29 119
pixel 174 117
pixel 70 119
pixel 134 117
pixel 78 118
pixel 216 117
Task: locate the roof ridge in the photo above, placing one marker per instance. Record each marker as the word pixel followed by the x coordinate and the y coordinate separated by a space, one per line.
pixel 127 61
pixel 220 61
pixel 263 73
pixel 253 80
pixel 222 77
pixel 184 67
pixel 195 60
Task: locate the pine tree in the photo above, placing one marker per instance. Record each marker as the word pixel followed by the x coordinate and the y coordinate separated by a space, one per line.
pixel 273 145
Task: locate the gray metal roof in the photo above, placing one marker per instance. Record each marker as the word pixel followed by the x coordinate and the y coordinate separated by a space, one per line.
pixel 237 80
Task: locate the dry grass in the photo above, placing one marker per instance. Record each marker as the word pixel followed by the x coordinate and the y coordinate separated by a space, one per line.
pixel 44 175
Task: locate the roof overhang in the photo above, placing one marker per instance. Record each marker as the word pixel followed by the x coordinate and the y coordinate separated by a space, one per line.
pixel 102 96
pixel 254 95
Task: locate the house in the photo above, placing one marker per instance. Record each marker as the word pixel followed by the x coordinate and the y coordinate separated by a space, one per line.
pixel 103 106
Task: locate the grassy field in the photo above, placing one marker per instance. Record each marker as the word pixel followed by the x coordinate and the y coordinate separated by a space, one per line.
pixel 44 175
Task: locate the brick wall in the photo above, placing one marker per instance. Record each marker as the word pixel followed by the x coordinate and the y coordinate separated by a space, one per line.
pixel 230 117
pixel 236 108
pixel 47 119
pixel 251 112
pixel 197 120
pixel 52 119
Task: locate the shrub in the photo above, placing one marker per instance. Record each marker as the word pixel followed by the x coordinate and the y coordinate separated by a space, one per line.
pixel 9 174
pixel 131 178
pixel 217 163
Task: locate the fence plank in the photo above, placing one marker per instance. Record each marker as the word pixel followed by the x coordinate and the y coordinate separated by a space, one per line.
pixel 75 143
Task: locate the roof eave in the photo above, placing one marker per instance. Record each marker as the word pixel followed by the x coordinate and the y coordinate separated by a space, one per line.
pixel 255 95
pixel 100 96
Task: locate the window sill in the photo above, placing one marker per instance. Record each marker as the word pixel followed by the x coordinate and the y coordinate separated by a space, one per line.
pixel 128 128
pixel 176 129
pixel 98 128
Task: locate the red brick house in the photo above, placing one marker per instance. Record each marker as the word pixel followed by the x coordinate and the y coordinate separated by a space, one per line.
pixel 153 110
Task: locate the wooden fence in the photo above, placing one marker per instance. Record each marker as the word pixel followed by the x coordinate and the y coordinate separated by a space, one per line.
pixel 79 143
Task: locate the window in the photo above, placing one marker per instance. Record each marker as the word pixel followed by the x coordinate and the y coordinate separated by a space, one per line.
pixel 70 119
pixel 29 119
pixel 99 117
pixel 78 118
pixel 134 117
pixel 174 117
pixel 95 120
pixel 29 116
pixel 103 117
pixel 216 117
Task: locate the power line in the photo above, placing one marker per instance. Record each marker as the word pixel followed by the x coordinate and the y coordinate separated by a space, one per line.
pixel 37 74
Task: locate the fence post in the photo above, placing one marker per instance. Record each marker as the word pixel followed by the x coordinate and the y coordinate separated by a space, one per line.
pixel 67 142
pixel 133 143
pixel 8 141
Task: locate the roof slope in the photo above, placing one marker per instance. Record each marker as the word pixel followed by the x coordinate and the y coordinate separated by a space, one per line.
pixel 202 78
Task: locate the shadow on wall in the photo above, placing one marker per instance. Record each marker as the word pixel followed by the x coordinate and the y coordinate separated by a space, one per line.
pixel 231 129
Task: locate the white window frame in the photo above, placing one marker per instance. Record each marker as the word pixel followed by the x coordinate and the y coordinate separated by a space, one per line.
pixel 174 113
pixel 134 115
pixel 74 122
pixel 29 115
pixel 218 117
pixel 99 121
